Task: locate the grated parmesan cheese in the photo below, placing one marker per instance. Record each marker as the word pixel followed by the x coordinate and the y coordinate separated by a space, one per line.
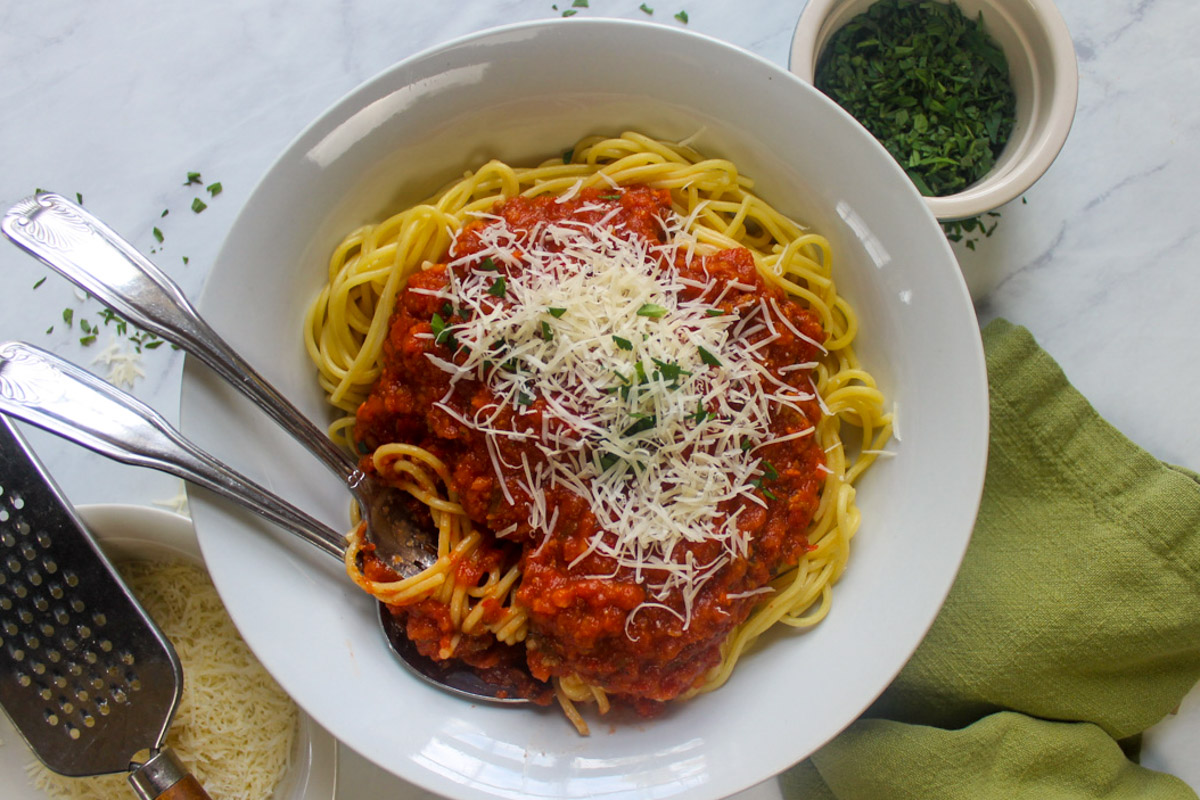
pixel 653 405
pixel 234 728
pixel 124 364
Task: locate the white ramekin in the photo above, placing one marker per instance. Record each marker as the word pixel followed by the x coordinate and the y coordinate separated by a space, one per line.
pixel 1045 78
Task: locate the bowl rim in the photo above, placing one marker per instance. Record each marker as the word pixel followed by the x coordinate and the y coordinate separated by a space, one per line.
pixel 996 188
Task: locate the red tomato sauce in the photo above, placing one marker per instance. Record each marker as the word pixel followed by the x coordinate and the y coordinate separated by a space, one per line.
pixel 581 624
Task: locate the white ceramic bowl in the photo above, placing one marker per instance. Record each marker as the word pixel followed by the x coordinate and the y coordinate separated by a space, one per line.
pixel 525 93
pixel 1045 79
pixel 127 532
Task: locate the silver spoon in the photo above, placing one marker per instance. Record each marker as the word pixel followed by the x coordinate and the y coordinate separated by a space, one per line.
pixel 57 396
pixel 81 248
pixel 77 245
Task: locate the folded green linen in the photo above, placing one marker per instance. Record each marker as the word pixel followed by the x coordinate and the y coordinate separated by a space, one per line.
pixel 1073 625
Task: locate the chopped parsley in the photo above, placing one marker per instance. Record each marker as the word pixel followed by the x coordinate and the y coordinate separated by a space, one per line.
pixel 40 281
pixel 652 310
pixel 709 358
pixel 622 342
pixel 682 17
pixel 646 9
pixel 198 205
pixel 929 83
pixel 214 189
pixel 556 312
pixel 498 288
pixel 192 177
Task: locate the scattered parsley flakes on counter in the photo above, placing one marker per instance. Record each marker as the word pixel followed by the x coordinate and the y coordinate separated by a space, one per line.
pixel 214 189
pixel 198 205
pixel 570 12
pixel 970 229
pixel 646 9
pixel 929 84
pixel 682 16
pixel 158 235
pixel 192 177
pixel 40 281
pixel 579 3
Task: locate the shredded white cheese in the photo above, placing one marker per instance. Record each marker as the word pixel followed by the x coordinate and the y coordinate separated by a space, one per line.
pixel 653 404
pixel 234 728
pixel 123 362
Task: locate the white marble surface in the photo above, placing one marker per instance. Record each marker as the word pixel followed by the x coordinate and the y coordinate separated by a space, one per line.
pixel 119 101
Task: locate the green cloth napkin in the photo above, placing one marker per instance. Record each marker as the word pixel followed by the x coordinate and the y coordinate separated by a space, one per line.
pixel 1073 626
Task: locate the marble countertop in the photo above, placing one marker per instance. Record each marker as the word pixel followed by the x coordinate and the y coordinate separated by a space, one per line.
pixel 119 103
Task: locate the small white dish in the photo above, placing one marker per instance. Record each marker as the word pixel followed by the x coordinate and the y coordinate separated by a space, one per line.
pixel 128 532
pixel 1045 79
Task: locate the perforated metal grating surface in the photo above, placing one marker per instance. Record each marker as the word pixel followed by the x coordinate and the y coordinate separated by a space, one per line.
pixel 85 675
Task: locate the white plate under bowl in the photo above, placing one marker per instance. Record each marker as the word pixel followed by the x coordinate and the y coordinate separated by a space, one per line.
pixel 128 532
pixel 525 93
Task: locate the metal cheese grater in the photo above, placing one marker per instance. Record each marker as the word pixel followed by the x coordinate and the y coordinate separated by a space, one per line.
pixel 85 675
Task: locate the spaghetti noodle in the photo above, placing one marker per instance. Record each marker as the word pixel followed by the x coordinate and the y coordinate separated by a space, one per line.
pixel 616 384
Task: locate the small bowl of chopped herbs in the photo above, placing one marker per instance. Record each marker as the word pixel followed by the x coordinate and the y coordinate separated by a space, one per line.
pixel 973 98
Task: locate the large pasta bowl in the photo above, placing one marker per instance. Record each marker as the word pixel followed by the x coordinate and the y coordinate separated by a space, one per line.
pixel 525 93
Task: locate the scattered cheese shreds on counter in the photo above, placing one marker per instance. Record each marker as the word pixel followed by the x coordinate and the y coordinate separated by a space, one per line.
pixel 124 364
pixel 235 727
pixel 178 503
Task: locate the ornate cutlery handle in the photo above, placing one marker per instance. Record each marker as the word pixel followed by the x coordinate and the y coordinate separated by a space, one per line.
pixel 85 251
pixel 42 389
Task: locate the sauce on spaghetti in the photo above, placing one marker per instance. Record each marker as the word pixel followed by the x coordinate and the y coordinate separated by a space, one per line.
pixel 631 629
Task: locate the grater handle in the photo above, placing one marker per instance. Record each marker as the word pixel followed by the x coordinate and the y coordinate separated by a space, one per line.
pixel 44 390
pixel 164 777
pixel 81 248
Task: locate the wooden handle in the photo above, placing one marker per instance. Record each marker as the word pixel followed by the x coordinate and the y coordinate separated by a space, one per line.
pixel 164 777
pixel 186 789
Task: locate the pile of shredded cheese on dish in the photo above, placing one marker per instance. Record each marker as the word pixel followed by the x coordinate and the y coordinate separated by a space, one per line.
pixel 235 727
pixel 654 404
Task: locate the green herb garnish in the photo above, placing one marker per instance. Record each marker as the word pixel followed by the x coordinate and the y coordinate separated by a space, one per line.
pixel 214 189
pixel 68 315
pixel 570 12
pixel 652 310
pixel 547 334
pixel 498 288
pixel 192 177
pixel 568 155
pixel 931 86
pixel 622 342
pixel 441 332
pixel 556 312
pixel 709 358
pixel 198 205
pixel 488 264
pixel 682 17
pixel 646 9
pixel 40 281
pixel 158 235
pixel 609 196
